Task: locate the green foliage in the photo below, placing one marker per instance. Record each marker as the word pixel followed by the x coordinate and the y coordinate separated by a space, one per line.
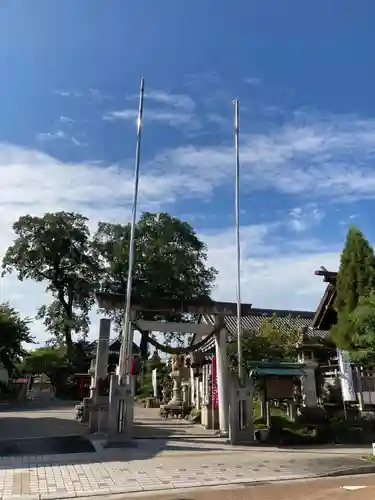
pixel 357 328
pixel 14 332
pixel 55 249
pixel 275 340
pixel 47 360
pixel 356 276
pixel 355 282
pixel 170 262
pixel 144 380
pixel 282 337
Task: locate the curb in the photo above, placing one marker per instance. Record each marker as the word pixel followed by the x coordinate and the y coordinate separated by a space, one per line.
pixel 351 471
pixel 116 493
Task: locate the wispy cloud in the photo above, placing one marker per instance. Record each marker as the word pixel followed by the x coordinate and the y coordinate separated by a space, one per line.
pixel 169 109
pixel 274 274
pixel 67 93
pixel 51 136
pixel 171 118
pixel 60 135
pixel 98 95
pixel 178 101
pixel 77 142
pixel 301 219
pixel 253 80
pixel 66 119
pixel 122 114
pixel 310 157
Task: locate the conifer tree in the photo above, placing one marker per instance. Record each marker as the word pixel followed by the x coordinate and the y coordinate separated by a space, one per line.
pixel 355 279
pixel 356 276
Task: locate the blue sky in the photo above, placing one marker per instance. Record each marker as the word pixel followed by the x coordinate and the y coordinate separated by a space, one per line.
pixel 304 75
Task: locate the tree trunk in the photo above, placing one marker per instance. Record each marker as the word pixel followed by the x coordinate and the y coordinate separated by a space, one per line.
pixel 144 345
pixel 70 354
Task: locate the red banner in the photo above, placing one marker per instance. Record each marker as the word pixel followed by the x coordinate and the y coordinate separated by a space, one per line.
pixel 215 396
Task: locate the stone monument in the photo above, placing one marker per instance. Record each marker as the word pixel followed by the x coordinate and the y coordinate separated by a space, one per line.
pixel 177 405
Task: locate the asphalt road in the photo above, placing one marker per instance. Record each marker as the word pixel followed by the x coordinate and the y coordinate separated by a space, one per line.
pixel 344 488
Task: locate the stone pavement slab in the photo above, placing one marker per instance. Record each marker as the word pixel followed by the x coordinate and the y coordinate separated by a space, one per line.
pixel 120 471
pixel 354 488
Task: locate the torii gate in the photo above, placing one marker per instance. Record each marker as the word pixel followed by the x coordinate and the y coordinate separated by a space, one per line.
pixel 121 403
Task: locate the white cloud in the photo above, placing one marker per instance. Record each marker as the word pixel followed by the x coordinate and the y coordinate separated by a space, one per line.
pixel 303 218
pixel 253 80
pixel 166 117
pixel 67 93
pixel 77 142
pixel 51 136
pixel 331 157
pixel 179 101
pixel 270 276
pixel 305 158
pixel 34 182
pixel 66 119
pixel 173 110
pixel 97 95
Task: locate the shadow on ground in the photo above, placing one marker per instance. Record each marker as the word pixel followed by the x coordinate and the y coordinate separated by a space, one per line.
pixel 37 436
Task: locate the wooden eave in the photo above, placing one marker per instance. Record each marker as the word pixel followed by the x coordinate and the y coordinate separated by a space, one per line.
pixel 325 305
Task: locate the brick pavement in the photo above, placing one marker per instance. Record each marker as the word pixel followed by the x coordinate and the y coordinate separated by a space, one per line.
pixel 354 488
pixel 128 470
pixel 193 460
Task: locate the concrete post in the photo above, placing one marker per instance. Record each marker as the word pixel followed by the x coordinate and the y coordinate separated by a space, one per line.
pixel 222 379
pixel 99 409
pixel 101 365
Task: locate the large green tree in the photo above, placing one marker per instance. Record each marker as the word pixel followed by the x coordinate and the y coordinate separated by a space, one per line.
pixel 55 250
pixel 355 279
pixel 170 262
pixel 14 333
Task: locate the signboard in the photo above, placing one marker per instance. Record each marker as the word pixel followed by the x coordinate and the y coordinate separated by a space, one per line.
pixel 279 387
pixel 346 376
pixel 215 395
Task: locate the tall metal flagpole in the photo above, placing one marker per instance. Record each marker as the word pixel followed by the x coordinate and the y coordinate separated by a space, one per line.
pixel 238 249
pixel 124 362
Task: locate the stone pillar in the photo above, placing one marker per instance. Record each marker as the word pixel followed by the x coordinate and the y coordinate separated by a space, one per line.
pixel 241 411
pixel 155 382
pixel 92 381
pixel 192 387
pixel 197 395
pixel 99 409
pixel 101 364
pixel 308 385
pixel 121 401
pixel 129 400
pixel 185 392
pixel 222 379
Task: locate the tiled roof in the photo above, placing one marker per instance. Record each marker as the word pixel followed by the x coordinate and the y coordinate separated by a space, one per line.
pixel 296 319
pixel 114 345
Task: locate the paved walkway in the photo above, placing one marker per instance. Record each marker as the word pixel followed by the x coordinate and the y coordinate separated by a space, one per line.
pixel 193 460
pixel 148 423
pixel 149 468
pixel 353 488
pixel 56 419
